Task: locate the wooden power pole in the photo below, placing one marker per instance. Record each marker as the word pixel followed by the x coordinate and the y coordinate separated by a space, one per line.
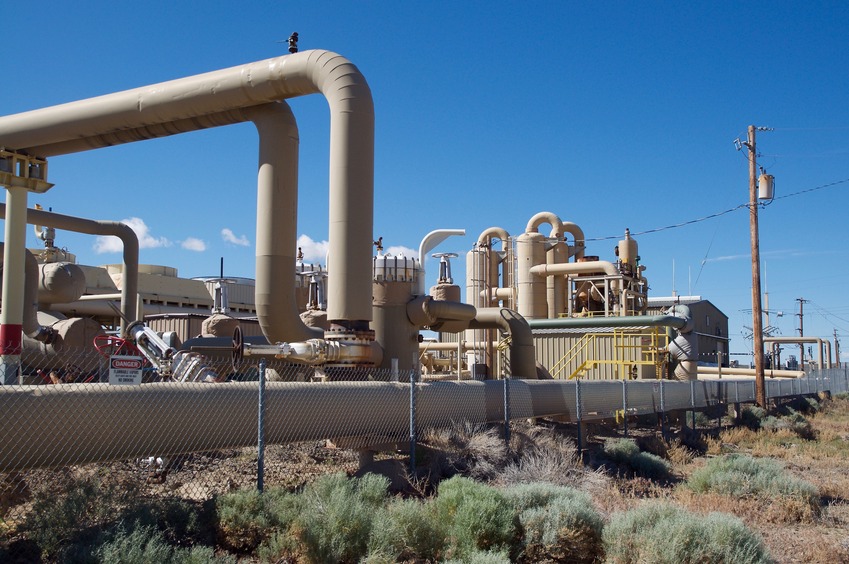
pixel 757 318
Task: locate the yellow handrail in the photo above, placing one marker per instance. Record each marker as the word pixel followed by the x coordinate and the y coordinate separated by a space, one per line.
pixel 631 349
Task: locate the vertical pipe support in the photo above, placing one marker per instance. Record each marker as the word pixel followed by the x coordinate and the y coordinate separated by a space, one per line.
pixel 12 314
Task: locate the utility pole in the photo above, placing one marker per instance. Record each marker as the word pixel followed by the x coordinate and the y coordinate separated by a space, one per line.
pixel 801 314
pixel 757 319
pixel 836 350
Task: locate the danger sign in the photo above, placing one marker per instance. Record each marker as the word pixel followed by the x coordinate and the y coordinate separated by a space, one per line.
pixel 125 370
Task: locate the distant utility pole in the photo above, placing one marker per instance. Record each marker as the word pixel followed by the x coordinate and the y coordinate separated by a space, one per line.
pixel 757 319
pixel 801 314
pixel 836 350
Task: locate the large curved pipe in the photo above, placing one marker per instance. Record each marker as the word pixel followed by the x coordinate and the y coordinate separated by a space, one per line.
pixel 277 224
pixel 30 325
pixel 428 243
pixel 206 100
pixel 486 237
pixel 128 237
pixel 578 234
pixel 522 360
pixel 799 340
pixel 546 217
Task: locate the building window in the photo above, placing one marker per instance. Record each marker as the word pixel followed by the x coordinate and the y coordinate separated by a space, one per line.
pixel 707 320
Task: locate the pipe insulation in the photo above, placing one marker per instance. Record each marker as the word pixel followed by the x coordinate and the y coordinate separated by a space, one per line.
pixel 147 415
pixel 99 422
pixel 128 237
pixel 596 322
pixel 208 100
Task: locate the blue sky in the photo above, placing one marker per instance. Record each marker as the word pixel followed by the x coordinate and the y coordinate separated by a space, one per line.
pixel 610 114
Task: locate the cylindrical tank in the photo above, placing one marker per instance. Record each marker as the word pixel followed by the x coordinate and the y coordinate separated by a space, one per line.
pixel 628 250
pixel 481 277
pixel 555 286
pixel 392 328
pixel 395 279
pixel 530 252
pixel 766 187
pixel 60 282
pixel 478 279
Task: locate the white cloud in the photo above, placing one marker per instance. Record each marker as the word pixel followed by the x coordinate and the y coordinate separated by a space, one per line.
pixel 399 250
pixel 314 251
pixel 228 235
pixel 193 244
pixel 110 244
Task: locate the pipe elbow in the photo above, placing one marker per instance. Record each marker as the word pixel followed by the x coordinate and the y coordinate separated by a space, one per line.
pixel 546 217
pixel 486 237
pixel 438 315
pixel 522 358
pixel 578 234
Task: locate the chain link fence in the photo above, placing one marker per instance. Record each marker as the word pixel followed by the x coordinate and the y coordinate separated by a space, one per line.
pixel 269 423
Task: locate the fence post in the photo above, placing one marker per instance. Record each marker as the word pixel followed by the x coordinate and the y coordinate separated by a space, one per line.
pixel 507 411
pixel 413 422
pixel 260 432
pixel 662 411
pixel 719 404
pixel 625 407
pixel 693 402
pixel 578 408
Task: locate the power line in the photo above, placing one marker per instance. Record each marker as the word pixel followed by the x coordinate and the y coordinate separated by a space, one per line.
pixel 829 185
pixel 718 214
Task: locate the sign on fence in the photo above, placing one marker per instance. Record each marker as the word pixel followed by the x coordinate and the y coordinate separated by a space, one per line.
pixel 125 370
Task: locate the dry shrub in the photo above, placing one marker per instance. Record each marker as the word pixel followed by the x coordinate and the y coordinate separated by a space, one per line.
pixel 807 544
pixel 548 457
pixel 714 446
pixel 468 449
pixel 739 436
pixel 679 454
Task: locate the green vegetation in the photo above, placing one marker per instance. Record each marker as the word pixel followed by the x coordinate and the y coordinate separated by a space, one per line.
pixel 408 529
pixel 741 475
pixel 476 516
pixel 663 533
pixel 557 523
pixel 627 454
